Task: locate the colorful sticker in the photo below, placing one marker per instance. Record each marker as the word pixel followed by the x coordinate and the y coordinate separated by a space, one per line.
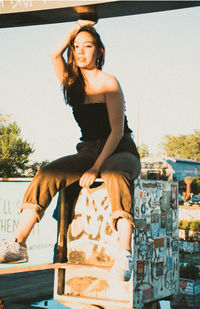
pixel 148 294
pixel 174 196
pixel 168 243
pixel 166 200
pixel 140 224
pixel 159 269
pixel 140 270
pixel 156 289
pixel 144 196
pixel 143 247
pixel 158 243
pixel 155 203
pixel 162 252
pixel 150 250
pixel 154 230
pixel 154 217
pixel 143 209
pixel 170 263
pixel 174 245
pixel 163 219
pixel 169 222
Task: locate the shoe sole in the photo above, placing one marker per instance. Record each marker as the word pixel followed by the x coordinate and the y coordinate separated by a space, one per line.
pixel 14 262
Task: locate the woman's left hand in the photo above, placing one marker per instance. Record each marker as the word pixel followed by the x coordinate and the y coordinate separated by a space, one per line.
pixel 88 178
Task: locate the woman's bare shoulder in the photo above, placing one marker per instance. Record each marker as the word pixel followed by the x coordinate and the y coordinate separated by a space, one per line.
pixel 109 81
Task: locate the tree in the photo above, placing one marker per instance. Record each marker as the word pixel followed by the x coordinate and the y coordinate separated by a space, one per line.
pixel 36 166
pixel 189 226
pixel 14 151
pixel 182 146
pixel 143 150
pixel 195 186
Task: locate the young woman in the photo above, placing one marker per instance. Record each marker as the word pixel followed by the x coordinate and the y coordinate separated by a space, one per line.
pixel 106 149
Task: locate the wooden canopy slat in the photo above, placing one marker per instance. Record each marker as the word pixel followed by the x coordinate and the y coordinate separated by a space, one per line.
pixel 96 9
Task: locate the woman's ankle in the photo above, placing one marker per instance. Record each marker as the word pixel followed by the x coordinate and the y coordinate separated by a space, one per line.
pixel 20 241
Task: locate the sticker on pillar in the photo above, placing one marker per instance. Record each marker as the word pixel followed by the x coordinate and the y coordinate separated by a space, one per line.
pixel 150 250
pixel 136 211
pixel 170 263
pixel 154 200
pixel 155 203
pixel 156 290
pixel 169 222
pixel 140 270
pixel 148 294
pixel 174 196
pixel 163 219
pixel 140 224
pixel 154 225
pixel 143 208
pixel 144 196
pixel 142 247
pixel 174 245
pixel 168 242
pixel 154 230
pixel 162 252
pixel 159 192
pixel 166 200
pixel 154 217
pixel 159 269
pixel 158 243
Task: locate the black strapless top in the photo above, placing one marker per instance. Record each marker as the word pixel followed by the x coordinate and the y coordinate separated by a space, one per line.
pixel 94 122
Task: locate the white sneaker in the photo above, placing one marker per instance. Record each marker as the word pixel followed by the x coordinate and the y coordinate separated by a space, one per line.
pixel 13 252
pixel 122 268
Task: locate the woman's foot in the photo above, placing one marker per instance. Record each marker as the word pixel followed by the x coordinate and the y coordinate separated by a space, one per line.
pixel 122 268
pixel 13 252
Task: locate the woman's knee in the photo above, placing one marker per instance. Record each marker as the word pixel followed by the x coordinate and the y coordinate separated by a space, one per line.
pixel 122 165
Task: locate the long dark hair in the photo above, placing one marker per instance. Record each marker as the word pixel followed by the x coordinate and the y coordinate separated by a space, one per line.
pixel 74 85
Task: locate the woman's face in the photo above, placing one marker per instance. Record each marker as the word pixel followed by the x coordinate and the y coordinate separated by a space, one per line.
pixel 85 50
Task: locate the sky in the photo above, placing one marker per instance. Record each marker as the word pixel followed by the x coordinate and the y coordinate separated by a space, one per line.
pixel 154 56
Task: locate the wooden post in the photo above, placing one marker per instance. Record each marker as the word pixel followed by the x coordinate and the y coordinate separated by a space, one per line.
pixel 62 246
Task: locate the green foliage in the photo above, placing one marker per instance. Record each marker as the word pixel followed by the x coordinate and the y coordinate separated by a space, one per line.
pixel 36 166
pixel 190 225
pixel 189 271
pixel 182 146
pixel 195 186
pixel 143 150
pixel 14 151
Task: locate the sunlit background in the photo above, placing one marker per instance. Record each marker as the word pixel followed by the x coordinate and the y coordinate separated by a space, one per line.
pixel 154 56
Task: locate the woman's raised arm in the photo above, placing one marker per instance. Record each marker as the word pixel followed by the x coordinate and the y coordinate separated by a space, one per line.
pixel 61 45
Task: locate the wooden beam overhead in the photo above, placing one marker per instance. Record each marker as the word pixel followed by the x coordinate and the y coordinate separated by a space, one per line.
pixel 16 13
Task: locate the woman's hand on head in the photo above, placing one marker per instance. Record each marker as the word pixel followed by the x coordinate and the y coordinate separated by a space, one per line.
pixel 84 22
pixel 88 178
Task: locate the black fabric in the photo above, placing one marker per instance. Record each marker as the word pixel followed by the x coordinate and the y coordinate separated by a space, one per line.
pixel 93 121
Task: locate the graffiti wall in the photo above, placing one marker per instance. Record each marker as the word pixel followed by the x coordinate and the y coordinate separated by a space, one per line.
pixel 156 240
pixel 92 241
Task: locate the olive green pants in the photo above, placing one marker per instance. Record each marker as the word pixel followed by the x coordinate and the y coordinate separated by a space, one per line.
pixel 118 173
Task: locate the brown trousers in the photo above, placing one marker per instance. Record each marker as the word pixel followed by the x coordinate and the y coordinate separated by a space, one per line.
pixel 118 172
